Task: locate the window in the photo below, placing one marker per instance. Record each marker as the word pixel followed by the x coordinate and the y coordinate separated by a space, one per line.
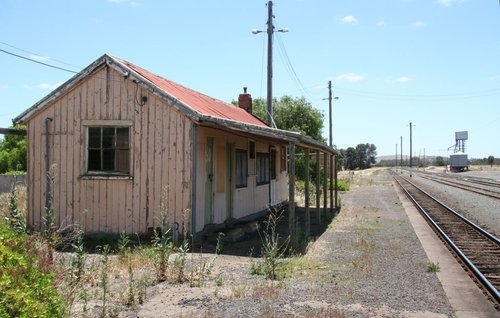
pixel 108 149
pixel 251 147
pixel 273 164
pixel 241 168
pixel 262 168
pixel 283 159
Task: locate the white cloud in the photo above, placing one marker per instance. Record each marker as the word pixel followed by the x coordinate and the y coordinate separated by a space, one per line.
pixel 403 79
pixel 48 86
pixel 494 78
pixel 3 86
pixel 132 3
pixel 419 24
pixel 350 77
pixel 380 24
pixel 349 19
pixel 448 3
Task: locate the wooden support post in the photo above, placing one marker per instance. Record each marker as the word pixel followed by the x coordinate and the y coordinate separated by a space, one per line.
pixel 318 178
pixel 335 176
pixel 306 186
pixel 330 174
pixel 291 198
pixel 325 187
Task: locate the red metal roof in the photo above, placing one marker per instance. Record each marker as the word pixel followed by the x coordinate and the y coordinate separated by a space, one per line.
pixel 201 103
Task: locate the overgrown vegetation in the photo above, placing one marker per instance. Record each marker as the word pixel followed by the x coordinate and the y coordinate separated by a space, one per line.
pixel 274 247
pixel 27 287
pixel 13 150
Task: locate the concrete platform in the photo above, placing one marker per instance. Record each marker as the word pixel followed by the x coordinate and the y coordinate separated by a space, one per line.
pixel 464 295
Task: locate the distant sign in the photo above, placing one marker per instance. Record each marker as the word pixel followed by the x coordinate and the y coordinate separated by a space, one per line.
pixel 461 135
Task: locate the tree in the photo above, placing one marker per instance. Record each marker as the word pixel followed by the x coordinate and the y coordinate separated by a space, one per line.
pixel 361 157
pixel 13 152
pixel 294 114
pixel 439 161
pixel 491 160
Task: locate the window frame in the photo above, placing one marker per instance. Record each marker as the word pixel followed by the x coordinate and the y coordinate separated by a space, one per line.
pixel 241 178
pixel 283 161
pixel 103 124
pixel 263 157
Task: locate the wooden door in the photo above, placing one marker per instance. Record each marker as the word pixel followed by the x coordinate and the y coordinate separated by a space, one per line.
pixel 229 180
pixel 209 181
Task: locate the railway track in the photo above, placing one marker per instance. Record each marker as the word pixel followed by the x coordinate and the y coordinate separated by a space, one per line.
pixel 467 187
pixel 478 250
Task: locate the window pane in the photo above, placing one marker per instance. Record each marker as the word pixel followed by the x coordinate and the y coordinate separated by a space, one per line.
pixel 94 137
pixel 122 160
pixel 108 137
pixel 108 159
pixel 94 160
pixel 122 138
pixel 241 168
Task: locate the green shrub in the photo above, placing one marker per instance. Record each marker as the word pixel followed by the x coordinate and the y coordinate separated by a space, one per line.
pixel 25 290
pixel 343 185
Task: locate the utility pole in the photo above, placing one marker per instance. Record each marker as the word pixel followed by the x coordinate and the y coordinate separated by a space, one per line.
pixel 401 161
pixel 410 150
pixel 396 165
pixel 270 31
pixel 330 110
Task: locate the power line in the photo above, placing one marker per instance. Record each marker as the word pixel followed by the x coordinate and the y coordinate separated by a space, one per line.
pixel 38 62
pixel 38 55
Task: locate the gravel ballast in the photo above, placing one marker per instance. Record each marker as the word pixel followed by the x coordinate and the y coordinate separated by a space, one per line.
pixel 478 208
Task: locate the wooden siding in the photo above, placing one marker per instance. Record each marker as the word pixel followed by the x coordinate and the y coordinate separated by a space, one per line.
pixel 247 200
pixel 160 157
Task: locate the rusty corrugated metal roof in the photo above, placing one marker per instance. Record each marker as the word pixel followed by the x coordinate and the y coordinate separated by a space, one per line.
pixel 199 102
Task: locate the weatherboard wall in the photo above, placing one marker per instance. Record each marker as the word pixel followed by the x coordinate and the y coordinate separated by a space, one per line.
pixel 160 158
pixel 246 200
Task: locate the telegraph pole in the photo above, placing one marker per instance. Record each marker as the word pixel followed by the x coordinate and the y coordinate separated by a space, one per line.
pixel 270 30
pixel 396 165
pixel 401 161
pixel 410 149
pixel 330 110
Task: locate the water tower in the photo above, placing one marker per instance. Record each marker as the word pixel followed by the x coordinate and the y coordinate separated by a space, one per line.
pixel 458 160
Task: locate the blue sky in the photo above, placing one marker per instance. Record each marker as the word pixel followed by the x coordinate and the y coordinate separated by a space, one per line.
pixel 431 62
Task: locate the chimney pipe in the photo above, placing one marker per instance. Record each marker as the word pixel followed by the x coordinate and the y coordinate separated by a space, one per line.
pixel 245 101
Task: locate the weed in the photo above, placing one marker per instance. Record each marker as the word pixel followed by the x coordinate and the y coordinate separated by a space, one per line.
pixel 16 217
pixel 105 280
pixel 84 296
pixel 162 242
pixel 131 296
pixel 273 247
pixel 180 260
pixel 122 244
pixel 433 267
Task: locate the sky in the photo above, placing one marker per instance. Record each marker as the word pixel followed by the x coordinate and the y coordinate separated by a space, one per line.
pixel 434 63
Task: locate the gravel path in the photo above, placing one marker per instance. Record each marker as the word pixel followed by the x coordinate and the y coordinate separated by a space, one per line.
pixel 371 265
pixel 368 263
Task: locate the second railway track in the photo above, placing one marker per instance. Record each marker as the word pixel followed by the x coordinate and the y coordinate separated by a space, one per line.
pixel 478 250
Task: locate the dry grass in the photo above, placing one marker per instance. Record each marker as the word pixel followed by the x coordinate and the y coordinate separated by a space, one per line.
pixel 22 201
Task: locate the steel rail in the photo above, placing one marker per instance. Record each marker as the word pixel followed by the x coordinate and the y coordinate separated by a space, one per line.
pixel 477 273
pixel 470 188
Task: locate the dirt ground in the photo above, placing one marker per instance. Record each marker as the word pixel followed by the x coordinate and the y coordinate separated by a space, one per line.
pixel 366 263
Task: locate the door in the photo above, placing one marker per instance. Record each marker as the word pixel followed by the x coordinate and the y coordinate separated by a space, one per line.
pixel 229 181
pixel 209 181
